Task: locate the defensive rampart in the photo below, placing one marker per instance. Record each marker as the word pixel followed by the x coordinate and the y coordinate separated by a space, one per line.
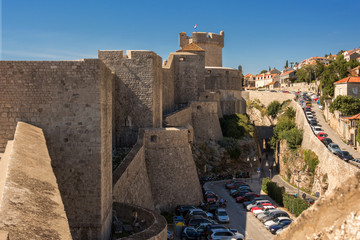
pixel 30 203
pixel 159 173
pixel 72 102
pixel 337 170
pixel 155 224
pixel 202 116
pixel 266 97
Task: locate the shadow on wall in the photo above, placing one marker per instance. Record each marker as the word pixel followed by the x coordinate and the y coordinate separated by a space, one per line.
pixel 150 225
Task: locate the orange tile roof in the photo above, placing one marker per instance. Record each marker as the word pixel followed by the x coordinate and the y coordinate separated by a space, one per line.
pixel 355 117
pixel 288 72
pixel 358 67
pixel 270 83
pixel 192 47
pixel 349 79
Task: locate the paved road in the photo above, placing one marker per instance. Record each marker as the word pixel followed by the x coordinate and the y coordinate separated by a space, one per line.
pixel 240 219
pixel 332 133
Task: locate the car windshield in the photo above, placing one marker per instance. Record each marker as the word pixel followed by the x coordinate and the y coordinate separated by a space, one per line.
pixel 284 223
pixel 335 146
pixel 222 213
pixel 191 230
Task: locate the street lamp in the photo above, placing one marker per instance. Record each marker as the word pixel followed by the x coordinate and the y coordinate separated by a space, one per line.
pixel 298 178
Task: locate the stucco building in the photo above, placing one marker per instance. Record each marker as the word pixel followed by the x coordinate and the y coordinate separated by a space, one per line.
pixel 349 86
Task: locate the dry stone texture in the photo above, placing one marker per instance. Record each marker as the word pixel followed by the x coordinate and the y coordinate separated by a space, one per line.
pixel 31 205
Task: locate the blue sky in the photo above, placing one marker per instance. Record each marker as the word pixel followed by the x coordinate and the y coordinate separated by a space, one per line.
pixel 258 34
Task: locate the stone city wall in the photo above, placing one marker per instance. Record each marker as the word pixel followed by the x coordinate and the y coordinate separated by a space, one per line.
pixel 267 97
pixel 138 92
pixel 337 170
pixel 71 102
pixel 168 86
pixel 179 118
pixel 171 168
pixel 156 227
pixel 159 173
pixel 217 78
pixel 30 202
pixel 131 182
pixel 301 87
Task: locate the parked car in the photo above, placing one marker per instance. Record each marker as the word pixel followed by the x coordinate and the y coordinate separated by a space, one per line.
pixel 196 220
pixel 222 216
pixel 266 213
pixel 224 234
pixel 355 162
pixel 256 204
pixel 211 208
pixel 241 193
pixel 274 228
pixel 190 233
pixel 262 210
pixel 326 141
pixel 333 147
pixel 344 155
pixel 252 201
pixel 196 212
pixel 313 122
pixel 247 197
pixel 278 220
pixel 274 215
pixel 181 210
pixel 321 136
pixel 317 129
pixel 211 198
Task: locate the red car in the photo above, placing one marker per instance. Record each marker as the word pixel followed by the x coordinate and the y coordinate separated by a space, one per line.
pixel 321 135
pixel 211 198
pixel 247 197
pixel 234 184
pixel 315 99
pixel 259 207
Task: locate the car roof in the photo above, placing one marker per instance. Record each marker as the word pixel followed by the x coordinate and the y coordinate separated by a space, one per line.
pixel 283 218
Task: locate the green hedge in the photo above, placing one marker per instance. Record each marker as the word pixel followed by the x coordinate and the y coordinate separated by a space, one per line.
pixel 295 205
pixel 273 190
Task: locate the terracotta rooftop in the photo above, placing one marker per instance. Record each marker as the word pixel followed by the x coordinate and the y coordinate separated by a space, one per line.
pixel 349 79
pixel 288 72
pixel 355 117
pixel 192 47
pixel 270 83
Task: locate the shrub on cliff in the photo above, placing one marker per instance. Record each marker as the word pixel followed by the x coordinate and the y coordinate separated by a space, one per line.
pixel 311 160
pixel 286 129
pixel 273 109
pixel 264 184
pixel 236 126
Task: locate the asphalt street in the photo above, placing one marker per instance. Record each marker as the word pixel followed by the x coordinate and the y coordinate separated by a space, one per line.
pixel 240 219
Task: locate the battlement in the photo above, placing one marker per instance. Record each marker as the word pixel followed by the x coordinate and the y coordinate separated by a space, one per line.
pixel 202 37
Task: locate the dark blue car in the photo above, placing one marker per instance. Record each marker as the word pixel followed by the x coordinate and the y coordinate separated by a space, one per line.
pixel 190 233
pixel 276 227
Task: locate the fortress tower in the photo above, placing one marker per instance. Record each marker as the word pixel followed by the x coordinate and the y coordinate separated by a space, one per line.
pixel 212 44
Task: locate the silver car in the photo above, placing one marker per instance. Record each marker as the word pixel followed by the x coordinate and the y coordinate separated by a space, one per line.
pixel 333 147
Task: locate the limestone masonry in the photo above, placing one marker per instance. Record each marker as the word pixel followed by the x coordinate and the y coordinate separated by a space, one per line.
pixel 89 108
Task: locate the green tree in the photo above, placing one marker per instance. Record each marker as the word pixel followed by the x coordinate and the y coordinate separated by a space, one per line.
pixel 273 108
pixel 348 105
pixel 311 160
pixel 286 64
pixel 263 71
pixel 293 137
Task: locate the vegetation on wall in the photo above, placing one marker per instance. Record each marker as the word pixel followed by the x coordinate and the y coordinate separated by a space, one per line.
pixel 286 129
pixel 236 126
pixel 256 104
pixel 348 105
pixel 231 146
pixel 311 160
pixel 273 109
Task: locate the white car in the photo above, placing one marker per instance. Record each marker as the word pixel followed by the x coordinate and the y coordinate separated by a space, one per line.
pixel 258 203
pixel 263 209
pixel 278 220
pixel 224 234
pixel 317 129
pixel 222 216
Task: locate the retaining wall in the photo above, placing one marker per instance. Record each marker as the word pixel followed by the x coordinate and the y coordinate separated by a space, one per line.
pixel 337 170
pixel 267 97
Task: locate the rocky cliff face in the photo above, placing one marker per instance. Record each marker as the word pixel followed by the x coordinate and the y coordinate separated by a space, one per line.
pixel 212 158
pixel 334 216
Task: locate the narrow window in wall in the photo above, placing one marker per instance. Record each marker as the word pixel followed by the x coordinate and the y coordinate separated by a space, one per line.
pixel 340 91
pixel 355 90
pixel 153 138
